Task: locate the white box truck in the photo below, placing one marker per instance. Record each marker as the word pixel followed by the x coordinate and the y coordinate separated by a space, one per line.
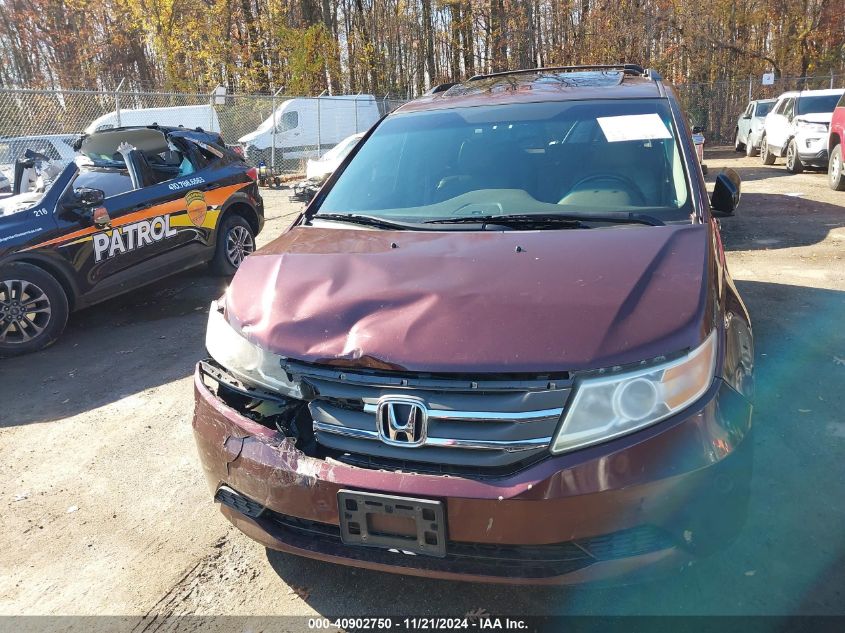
pixel 300 126
pixel 194 116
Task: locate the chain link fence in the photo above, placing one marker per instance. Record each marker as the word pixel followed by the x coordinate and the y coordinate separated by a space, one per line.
pixel 278 131
pixel 282 131
pixel 716 106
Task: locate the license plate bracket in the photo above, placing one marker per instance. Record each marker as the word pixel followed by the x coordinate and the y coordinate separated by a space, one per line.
pixel 389 522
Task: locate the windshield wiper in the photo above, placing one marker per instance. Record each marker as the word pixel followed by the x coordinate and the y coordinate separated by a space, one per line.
pixel 571 220
pixel 515 219
pixel 366 220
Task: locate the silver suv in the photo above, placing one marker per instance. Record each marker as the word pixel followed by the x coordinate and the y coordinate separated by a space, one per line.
pixel 749 126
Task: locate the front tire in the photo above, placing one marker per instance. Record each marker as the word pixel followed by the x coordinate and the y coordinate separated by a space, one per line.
pixel 235 240
pixel 793 162
pixel 765 155
pixel 33 309
pixel 738 147
pixel 836 170
pixel 750 151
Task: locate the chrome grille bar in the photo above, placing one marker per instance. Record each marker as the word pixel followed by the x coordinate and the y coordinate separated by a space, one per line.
pixel 481 416
pixel 510 446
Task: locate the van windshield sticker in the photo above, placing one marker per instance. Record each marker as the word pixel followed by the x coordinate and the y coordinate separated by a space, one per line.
pixel 633 127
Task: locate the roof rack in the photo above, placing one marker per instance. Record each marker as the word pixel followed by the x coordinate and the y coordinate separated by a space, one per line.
pixel 440 88
pixel 628 69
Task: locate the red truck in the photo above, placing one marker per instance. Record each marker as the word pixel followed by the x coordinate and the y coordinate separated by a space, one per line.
pixel 835 167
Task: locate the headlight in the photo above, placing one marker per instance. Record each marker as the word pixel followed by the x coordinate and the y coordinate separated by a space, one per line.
pixel 605 407
pixel 244 360
pixel 808 126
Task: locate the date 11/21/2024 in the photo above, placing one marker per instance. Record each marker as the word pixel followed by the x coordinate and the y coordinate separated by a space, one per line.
pixel 478 622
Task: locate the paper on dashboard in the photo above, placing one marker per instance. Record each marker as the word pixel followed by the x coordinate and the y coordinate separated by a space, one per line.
pixel 633 127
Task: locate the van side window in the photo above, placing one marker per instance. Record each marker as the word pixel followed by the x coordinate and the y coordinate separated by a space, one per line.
pixel 289 121
pixel 789 108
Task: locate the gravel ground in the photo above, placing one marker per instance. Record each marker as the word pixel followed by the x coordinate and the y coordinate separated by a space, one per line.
pixel 105 509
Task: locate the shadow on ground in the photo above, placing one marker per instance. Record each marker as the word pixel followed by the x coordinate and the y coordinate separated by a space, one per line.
pixel 787 559
pixel 768 221
pixel 121 347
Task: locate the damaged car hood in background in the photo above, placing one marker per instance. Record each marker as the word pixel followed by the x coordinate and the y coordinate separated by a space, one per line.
pixel 450 301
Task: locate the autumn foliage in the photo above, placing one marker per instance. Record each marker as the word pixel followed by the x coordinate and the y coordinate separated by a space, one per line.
pixel 401 47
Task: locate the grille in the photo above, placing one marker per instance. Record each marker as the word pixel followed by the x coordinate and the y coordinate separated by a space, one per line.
pixel 518 561
pixel 494 422
pixel 421 468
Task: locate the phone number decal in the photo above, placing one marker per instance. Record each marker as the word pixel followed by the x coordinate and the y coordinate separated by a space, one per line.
pixel 185 184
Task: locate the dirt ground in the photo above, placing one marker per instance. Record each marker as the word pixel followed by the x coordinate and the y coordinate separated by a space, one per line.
pixel 105 509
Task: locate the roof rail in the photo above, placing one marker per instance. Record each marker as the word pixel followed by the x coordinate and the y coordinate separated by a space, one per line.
pixel 630 69
pixel 440 88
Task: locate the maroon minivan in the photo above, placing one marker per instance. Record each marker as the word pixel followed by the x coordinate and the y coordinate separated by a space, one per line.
pixel 501 344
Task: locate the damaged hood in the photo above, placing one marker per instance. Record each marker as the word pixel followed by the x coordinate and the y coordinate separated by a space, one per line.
pixel 471 301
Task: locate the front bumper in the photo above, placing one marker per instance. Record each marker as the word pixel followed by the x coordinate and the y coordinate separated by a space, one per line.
pixel 646 502
pixel 816 159
pixel 812 150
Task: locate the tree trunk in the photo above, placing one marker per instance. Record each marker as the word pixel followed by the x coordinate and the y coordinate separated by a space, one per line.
pixel 428 42
pixel 468 38
pixel 498 43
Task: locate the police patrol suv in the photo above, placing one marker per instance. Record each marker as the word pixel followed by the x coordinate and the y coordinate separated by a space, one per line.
pixel 137 204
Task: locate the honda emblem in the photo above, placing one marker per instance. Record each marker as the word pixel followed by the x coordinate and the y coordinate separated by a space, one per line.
pixel 401 421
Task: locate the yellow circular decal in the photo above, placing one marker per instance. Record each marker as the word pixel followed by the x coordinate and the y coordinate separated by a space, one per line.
pixel 197 207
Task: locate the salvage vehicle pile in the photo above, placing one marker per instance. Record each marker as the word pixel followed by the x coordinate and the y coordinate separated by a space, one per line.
pixel 500 344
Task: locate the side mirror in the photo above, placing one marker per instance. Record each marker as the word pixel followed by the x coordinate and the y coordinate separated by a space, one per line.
pixel 85 203
pixel 726 192
pixel 746 116
pixel 87 197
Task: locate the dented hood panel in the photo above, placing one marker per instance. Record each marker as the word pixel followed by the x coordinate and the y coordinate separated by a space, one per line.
pixel 445 301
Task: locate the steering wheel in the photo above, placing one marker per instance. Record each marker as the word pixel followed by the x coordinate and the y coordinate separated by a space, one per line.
pixel 628 185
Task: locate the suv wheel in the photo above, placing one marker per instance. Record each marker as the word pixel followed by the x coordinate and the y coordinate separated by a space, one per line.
pixel 33 309
pixel 836 170
pixel 765 155
pixel 749 147
pixel 235 240
pixel 738 147
pixel 793 162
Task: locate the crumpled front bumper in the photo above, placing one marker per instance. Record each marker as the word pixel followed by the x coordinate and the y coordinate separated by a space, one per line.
pixel 642 503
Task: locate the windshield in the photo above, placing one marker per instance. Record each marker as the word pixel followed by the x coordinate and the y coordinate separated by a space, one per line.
pixel 763 108
pixel 544 158
pixel 818 104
